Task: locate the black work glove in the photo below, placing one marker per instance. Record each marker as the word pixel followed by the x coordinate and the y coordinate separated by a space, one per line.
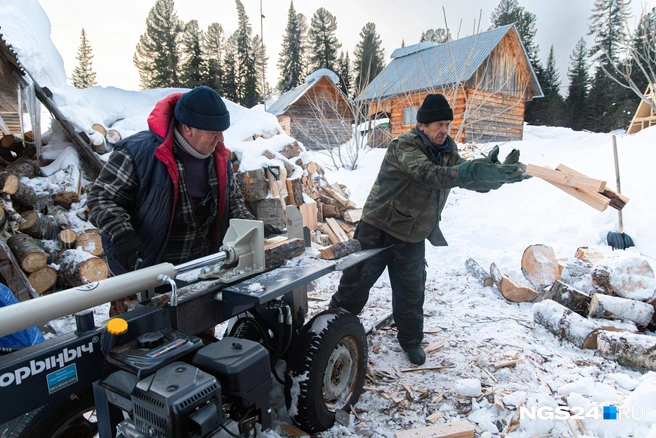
pixel 127 249
pixel 271 229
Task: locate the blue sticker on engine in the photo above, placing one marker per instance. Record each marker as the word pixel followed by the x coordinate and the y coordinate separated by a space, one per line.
pixel 62 378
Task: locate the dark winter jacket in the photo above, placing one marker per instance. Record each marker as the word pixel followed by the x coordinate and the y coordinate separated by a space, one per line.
pixel 138 187
pixel 411 189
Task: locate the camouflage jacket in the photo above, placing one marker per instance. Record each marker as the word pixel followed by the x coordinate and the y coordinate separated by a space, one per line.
pixel 411 188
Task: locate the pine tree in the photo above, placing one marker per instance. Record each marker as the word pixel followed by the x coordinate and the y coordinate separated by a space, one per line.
pixel 157 55
pixel 607 99
pixel 577 95
pixel 192 70
pixel 644 49
pixel 291 61
pixel 436 35
pixel 344 73
pixel 83 74
pixel 213 49
pixel 550 110
pixel 368 57
pixel 246 68
pixel 323 42
pixel 261 64
pixel 230 83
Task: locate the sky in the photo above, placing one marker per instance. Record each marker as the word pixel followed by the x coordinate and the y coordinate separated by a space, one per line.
pixel 113 28
pixel 473 327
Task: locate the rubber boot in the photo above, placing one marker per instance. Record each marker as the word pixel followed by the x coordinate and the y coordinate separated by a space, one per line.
pixel 416 355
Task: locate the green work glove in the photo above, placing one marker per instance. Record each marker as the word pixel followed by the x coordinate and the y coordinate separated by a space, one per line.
pixel 482 173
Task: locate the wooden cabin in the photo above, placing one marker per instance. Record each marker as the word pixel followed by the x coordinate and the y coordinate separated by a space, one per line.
pixel 316 113
pixel 11 80
pixel 487 78
pixel 645 116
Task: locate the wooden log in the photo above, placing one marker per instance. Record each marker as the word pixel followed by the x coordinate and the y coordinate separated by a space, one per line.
pixel 113 136
pixel 566 295
pixel 312 167
pixel 99 129
pixel 77 267
pixel 456 429
pixel 617 200
pixel 540 266
pixel 309 187
pixel 353 215
pixel 97 142
pixel 14 219
pixel 339 232
pixel 331 234
pixel 291 151
pixel 566 178
pixel 606 306
pixel 43 279
pixel 24 167
pixel 295 192
pixel 67 237
pixel 279 251
pixel 253 184
pixel 336 193
pixel 13 274
pixel 511 289
pixel 481 274
pixel 328 210
pixel 589 255
pixel 309 212
pixel 617 325
pixel 25 197
pixel 91 242
pixel 577 273
pixel 8 183
pixel 628 349
pixel 340 249
pixel 270 211
pixel 3 219
pixel 61 216
pixel 39 226
pixel 8 140
pixel 630 277
pixel 65 199
pixel 29 135
pixel 28 253
pixel 566 324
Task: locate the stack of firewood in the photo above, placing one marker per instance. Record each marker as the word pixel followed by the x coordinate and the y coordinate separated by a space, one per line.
pixel 591 301
pixel 99 137
pixel 40 249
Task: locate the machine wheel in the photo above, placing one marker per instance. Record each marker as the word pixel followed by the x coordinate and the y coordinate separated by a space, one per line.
pixel 70 418
pixel 326 369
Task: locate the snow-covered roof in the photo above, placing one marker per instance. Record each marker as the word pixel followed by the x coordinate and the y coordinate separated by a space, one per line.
pixel 429 65
pixel 287 99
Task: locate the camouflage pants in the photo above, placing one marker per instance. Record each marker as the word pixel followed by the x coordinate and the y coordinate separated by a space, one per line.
pixel 406 266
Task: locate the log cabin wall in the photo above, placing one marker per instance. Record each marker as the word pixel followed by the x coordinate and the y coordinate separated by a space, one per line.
pixel 321 118
pixel 494 117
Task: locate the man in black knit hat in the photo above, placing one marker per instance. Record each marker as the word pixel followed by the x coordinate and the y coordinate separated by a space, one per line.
pixel 166 194
pixel 403 209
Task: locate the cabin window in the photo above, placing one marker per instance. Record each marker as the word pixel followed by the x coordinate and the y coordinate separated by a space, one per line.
pixel 410 115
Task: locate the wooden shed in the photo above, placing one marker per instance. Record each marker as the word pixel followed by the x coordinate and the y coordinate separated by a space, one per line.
pixel 316 113
pixel 11 83
pixel 645 116
pixel 487 78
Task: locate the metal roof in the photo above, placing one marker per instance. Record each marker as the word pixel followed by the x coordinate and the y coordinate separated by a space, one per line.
pixel 422 66
pixel 287 99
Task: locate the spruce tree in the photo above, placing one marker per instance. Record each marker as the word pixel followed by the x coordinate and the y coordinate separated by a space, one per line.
pixel 261 63
pixel 230 83
pixel 213 48
pixel 193 64
pixel 83 74
pixel 369 59
pixel 246 68
pixel 577 95
pixel 322 40
pixel 550 110
pixel 344 73
pixel 291 61
pixel 157 54
pixel 436 35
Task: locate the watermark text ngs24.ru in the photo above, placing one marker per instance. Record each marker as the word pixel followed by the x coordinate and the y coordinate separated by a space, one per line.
pixel 578 413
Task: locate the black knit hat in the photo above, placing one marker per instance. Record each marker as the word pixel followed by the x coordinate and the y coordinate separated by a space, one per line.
pixel 435 107
pixel 202 108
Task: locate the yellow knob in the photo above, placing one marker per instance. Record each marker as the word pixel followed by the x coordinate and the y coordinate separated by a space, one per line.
pixel 117 326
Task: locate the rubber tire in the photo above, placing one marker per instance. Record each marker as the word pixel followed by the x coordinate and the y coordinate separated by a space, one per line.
pixel 44 421
pixel 309 361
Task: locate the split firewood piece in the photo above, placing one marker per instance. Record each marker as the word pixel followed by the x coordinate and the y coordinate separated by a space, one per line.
pixel 331 234
pixel 594 199
pixel 91 242
pixel 27 251
pixel 606 306
pixel 353 215
pixel 540 266
pixel 77 267
pixel 309 212
pixel 456 429
pixel 481 274
pixel 339 232
pixel 628 349
pixel 24 167
pixel 8 183
pixel 278 252
pixel 25 197
pixel 616 200
pixel 39 226
pixel 589 255
pixel 433 347
pixel 329 210
pixel 335 192
pixel 340 249
pixel 294 192
pixel 253 184
pixel 43 279
pixel 511 289
pixel 566 178
pixel 574 299
pixel 631 277
pixel 566 324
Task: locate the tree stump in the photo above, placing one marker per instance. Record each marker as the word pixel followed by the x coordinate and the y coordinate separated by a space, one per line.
pixel 511 289
pixel 43 279
pixel 540 266
pixel 481 274
pixel 77 267
pixel 566 324
pixel 573 299
pixel 91 242
pixel 628 349
pixel 39 226
pixel 28 253
pixel 606 306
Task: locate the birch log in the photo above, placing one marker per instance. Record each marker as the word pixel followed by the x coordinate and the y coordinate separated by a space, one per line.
pixel 606 306
pixel 511 289
pixel 540 266
pixel 481 274
pixel 572 298
pixel 628 349
pixel 566 324
pixel 627 277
